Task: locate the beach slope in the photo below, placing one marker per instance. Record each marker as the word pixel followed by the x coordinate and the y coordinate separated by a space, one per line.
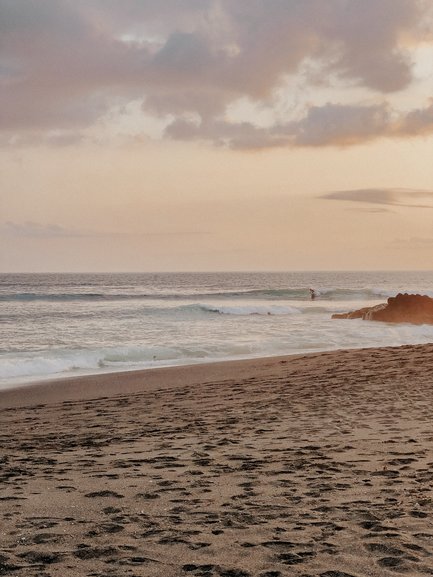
pixel 314 465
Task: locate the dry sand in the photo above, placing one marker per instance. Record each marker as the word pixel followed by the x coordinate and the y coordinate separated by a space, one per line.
pixel 317 465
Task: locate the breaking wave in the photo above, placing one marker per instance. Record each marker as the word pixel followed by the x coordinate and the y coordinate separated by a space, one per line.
pixel 251 310
pixel 67 362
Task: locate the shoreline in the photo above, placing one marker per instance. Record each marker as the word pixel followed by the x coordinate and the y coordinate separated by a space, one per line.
pixel 97 385
pixel 130 381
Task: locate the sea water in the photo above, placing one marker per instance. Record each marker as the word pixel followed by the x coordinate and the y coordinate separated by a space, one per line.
pixel 54 325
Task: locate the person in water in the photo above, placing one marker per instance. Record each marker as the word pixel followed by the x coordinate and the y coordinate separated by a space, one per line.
pixel 312 294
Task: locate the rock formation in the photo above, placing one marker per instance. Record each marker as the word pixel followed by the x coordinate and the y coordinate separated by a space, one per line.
pixel 403 308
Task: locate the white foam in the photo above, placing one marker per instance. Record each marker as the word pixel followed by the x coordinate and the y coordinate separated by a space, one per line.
pixel 46 364
pixel 246 310
pixel 175 322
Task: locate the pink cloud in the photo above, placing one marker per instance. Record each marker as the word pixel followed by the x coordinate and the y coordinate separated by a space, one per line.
pixel 64 64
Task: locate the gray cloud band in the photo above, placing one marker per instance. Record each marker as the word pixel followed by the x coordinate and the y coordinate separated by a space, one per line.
pixel 63 65
pixel 328 125
pixel 384 197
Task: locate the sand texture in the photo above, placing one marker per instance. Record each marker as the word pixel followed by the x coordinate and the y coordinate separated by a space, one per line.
pixel 317 465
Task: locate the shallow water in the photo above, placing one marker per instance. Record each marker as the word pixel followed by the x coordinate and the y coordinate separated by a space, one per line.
pixel 66 324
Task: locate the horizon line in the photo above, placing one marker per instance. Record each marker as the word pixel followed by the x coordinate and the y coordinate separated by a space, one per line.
pixel 276 271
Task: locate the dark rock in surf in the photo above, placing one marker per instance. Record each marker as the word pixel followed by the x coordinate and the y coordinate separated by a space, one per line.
pixel 403 308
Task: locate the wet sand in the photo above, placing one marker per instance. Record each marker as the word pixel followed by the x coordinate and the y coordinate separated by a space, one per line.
pixel 314 465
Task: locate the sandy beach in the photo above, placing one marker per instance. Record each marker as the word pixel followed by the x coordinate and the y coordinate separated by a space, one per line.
pixel 313 465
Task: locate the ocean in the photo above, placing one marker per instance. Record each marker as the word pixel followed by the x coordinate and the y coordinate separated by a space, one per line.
pixel 59 325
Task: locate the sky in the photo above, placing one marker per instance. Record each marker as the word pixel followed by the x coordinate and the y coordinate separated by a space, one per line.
pixel 201 135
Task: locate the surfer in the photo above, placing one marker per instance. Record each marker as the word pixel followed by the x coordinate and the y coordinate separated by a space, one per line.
pixel 312 294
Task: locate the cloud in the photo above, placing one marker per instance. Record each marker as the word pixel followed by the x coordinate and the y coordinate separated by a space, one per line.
pixel 370 31
pixel 417 122
pixel 340 125
pixel 30 229
pixel 371 210
pixel 64 64
pixel 327 125
pixel 383 196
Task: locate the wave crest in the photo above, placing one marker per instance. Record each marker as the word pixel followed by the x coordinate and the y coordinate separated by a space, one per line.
pixel 251 310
